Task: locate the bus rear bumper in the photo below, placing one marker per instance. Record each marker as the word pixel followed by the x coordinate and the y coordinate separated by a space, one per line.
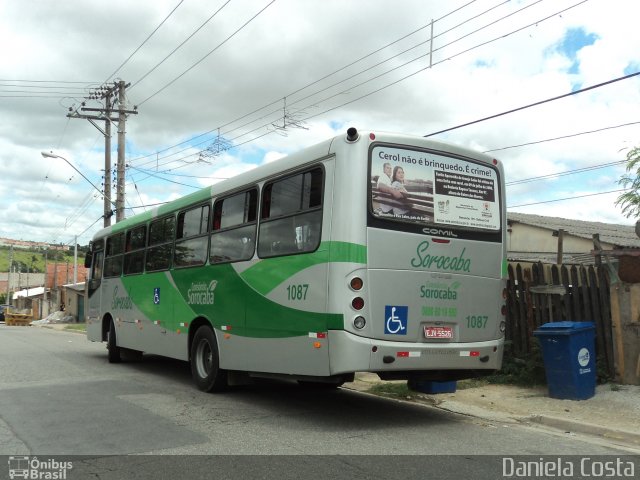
pixel 403 360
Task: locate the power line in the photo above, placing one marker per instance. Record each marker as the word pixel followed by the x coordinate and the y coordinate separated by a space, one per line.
pixel 207 55
pixel 164 179
pixel 536 23
pixel 414 73
pixel 145 41
pixel 179 46
pixel 387 46
pixel 371 68
pixel 582 90
pixel 43 93
pixel 66 95
pixel 2 85
pixel 46 81
pixel 149 206
pixel 568 172
pixel 324 78
pixel 167 172
pixel 562 137
pixel 17 88
pixel 567 198
pixel 90 226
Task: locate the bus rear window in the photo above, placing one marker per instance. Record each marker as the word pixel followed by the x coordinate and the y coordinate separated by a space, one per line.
pixel 430 188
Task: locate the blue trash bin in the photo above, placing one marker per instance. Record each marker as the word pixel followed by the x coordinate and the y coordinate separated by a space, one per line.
pixel 568 350
pixel 432 387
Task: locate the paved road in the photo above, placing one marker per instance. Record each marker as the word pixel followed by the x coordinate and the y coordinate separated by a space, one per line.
pixel 59 396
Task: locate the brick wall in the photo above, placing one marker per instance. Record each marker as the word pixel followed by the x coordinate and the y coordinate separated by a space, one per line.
pixel 63 274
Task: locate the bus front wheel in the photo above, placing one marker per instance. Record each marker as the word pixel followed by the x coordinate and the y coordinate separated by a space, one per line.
pixel 112 346
pixel 205 362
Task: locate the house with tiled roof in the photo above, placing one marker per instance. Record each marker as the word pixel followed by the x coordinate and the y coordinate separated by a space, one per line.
pixel 535 238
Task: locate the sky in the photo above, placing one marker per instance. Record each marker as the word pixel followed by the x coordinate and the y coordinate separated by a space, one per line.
pixel 222 86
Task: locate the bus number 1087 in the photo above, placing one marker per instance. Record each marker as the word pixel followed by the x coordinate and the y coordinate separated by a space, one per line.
pixel 297 292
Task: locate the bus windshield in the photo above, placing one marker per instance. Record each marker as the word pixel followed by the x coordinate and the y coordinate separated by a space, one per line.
pixel 426 187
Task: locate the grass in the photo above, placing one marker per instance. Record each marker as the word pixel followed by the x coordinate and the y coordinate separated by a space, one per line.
pixel 391 389
pixel 472 383
pixel 77 327
pixel 400 389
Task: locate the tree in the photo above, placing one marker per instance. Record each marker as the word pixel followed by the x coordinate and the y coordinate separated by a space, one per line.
pixel 630 200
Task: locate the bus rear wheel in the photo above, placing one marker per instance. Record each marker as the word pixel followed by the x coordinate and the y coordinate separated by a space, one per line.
pixel 112 345
pixel 205 362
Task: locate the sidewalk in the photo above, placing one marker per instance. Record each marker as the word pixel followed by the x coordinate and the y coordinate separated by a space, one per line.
pixel 612 414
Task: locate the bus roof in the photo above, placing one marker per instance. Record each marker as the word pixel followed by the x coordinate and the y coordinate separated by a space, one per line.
pixel 272 169
pixel 255 175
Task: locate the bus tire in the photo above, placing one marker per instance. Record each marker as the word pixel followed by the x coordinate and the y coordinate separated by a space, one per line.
pixel 112 344
pixel 205 362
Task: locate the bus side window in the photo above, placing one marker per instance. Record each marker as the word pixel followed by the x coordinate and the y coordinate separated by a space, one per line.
pixel 292 215
pixel 96 266
pixel 159 252
pixel 233 233
pixel 114 255
pixel 134 256
pixel 192 241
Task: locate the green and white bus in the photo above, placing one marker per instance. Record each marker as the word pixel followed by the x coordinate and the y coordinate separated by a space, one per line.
pixel 369 252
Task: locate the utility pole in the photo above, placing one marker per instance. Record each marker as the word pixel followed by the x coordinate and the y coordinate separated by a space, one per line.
pixel 75 260
pixel 122 118
pixel 45 300
pixel 107 162
pixel 8 299
pixel 105 114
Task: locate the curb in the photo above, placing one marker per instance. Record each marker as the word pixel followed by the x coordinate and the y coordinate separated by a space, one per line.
pixel 627 437
pixel 60 328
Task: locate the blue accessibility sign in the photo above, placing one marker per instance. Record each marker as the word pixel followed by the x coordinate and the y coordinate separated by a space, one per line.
pixel 156 296
pixel 395 319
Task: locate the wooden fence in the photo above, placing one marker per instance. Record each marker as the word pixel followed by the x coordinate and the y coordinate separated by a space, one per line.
pixel 586 299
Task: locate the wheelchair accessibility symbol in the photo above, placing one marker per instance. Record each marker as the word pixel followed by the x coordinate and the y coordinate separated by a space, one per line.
pixel 396 319
pixel 156 296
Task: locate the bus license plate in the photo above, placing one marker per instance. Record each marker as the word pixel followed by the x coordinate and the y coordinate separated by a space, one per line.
pixel 438 332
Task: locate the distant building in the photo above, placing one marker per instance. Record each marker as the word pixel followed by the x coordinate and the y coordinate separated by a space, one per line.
pixel 59 274
pixel 25 244
pixel 534 238
pixel 20 280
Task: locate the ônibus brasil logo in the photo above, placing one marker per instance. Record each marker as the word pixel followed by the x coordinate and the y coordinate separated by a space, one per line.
pixel 33 468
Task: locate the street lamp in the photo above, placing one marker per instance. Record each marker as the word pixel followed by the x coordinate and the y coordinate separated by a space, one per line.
pixel 107 201
pixel 53 155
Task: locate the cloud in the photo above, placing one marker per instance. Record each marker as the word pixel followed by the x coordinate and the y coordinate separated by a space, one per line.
pixel 302 58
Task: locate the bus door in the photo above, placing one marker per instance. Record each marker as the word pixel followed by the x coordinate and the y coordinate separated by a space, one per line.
pixel 94 293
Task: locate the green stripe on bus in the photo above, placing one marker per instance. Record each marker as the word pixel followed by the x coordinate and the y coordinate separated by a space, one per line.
pixel 271 272
pixel 233 303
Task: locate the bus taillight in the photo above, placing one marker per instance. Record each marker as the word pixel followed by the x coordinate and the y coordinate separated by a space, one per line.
pixel 357 303
pixel 359 322
pixel 356 284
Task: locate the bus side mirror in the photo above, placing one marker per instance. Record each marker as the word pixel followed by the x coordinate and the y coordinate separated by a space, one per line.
pixel 88 259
